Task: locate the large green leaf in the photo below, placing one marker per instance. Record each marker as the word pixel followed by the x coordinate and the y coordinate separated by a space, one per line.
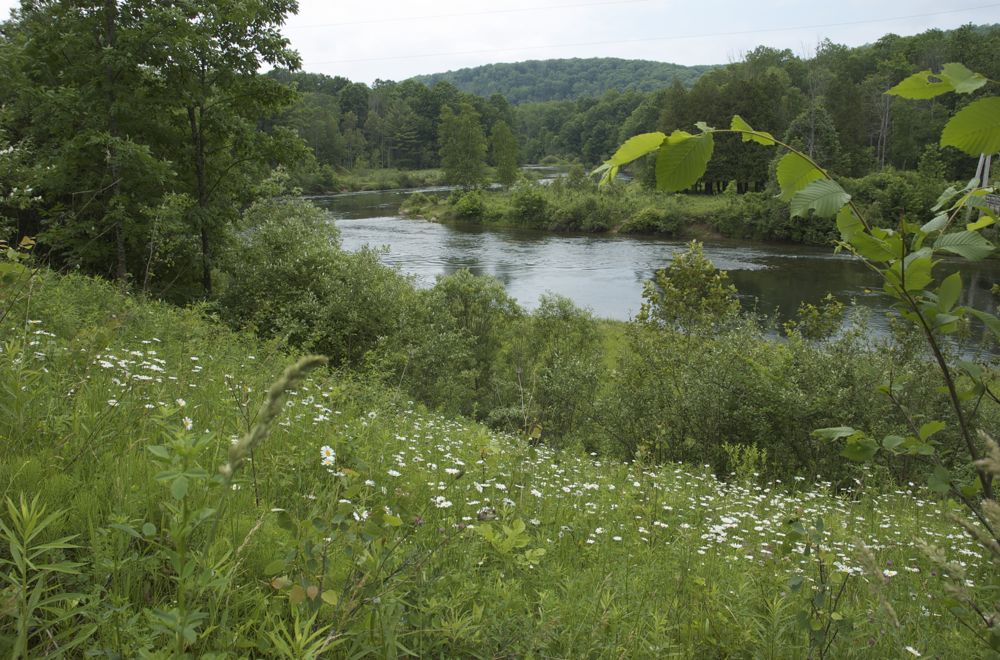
pixel 795 173
pixel 860 449
pixel 636 146
pixel 949 292
pixel 824 197
pixel 961 78
pixel 968 244
pixel 939 481
pixel 939 222
pixel 975 129
pixel 848 223
pixel 918 272
pixel 750 135
pixel 923 85
pixel 682 160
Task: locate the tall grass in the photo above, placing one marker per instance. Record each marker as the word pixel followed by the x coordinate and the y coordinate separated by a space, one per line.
pixel 370 526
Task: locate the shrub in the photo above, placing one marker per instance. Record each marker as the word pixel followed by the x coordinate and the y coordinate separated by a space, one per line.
pixel 659 219
pixel 528 204
pixel 289 280
pixel 548 373
pixel 470 205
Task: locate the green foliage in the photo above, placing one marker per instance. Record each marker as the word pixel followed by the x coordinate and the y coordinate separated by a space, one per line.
pixel 823 197
pixel 503 147
pixel 690 293
pixel 549 373
pixel 545 80
pixel 146 107
pixel 681 159
pixel 462 146
pixel 904 257
pixel 795 172
pixel 347 532
pixel 817 322
pixel 288 280
pixel 470 206
pixel 44 616
pixel 975 129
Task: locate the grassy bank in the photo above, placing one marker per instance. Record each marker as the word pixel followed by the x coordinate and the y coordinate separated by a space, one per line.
pixel 575 204
pixel 575 208
pixel 366 525
pixel 327 180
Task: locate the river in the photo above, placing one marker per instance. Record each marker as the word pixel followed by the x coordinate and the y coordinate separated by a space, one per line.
pixel 606 273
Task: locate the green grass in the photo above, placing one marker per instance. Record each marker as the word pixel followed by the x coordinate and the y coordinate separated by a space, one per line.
pixel 578 207
pixel 425 536
pixel 385 179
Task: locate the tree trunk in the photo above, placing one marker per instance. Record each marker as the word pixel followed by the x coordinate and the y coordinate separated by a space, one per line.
pixel 201 193
pixel 111 36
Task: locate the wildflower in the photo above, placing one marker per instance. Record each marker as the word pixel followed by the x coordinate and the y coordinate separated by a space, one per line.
pixel 327 454
pixel 440 502
pixel 188 423
pixel 392 473
pixel 914 651
pixel 181 402
pixel 112 402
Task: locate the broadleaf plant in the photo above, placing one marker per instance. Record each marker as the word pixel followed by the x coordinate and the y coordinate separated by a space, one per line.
pixel 905 257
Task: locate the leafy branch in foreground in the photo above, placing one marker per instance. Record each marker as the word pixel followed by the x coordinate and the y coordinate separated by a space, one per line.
pixel 904 257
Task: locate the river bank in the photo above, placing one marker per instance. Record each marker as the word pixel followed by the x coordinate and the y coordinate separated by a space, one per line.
pixel 606 272
pixel 564 207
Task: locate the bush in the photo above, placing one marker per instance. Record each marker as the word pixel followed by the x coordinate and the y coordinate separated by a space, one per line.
pixel 548 373
pixel 659 219
pixel 528 205
pixel 289 280
pixel 446 351
pixel 470 205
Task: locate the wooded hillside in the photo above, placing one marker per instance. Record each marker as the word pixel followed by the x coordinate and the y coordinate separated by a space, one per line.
pixel 559 79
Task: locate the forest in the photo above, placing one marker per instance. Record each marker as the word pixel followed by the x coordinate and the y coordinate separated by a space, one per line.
pixel 831 103
pixel 224 435
pixel 557 80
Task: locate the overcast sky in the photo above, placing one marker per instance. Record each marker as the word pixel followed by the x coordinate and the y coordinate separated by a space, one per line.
pixel 395 39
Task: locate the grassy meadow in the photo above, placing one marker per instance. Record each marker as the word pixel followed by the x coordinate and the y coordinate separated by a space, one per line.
pixel 365 525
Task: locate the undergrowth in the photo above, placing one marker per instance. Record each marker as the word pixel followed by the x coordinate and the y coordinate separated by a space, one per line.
pixel 366 525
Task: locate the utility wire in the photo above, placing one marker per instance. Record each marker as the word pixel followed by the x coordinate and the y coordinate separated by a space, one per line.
pixel 487 12
pixel 648 39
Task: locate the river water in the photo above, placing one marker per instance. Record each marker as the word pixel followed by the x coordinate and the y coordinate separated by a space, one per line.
pixel 606 273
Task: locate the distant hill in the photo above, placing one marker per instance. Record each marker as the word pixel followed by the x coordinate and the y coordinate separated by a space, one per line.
pixel 552 80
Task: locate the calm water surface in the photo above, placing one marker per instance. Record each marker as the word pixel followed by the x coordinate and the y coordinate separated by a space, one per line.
pixel 606 273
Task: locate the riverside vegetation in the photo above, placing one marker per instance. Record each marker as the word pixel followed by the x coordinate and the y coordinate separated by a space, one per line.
pixel 574 203
pixel 453 476
pixel 366 524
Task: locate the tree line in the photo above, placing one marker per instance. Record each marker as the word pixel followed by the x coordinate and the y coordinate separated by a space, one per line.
pixel 830 103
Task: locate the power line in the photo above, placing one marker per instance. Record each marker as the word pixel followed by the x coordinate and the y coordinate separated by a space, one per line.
pixel 403 19
pixel 649 39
